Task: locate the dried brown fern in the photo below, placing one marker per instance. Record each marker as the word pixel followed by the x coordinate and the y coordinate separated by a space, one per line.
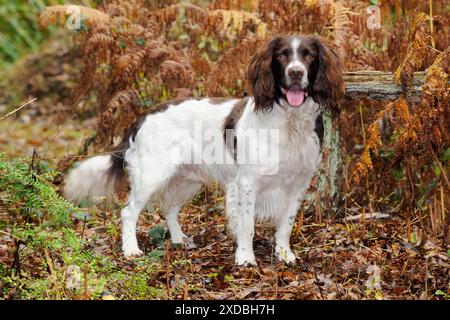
pixel 424 127
pixel 219 82
pixel 340 22
pixel 417 53
pixel 60 13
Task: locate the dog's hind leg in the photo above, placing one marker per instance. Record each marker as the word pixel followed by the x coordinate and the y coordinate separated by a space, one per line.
pixel 172 201
pixel 145 182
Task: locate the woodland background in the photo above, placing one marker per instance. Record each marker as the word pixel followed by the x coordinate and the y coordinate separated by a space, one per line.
pixel 386 234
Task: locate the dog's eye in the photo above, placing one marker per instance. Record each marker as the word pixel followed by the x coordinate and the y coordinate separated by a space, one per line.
pixel 310 58
pixel 282 56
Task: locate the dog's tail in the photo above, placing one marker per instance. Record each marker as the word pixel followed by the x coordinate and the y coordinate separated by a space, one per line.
pixel 94 178
pixel 101 175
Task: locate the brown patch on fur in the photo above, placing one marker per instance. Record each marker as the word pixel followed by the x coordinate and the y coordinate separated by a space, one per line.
pixel 261 77
pixel 328 88
pixel 116 174
pixel 229 126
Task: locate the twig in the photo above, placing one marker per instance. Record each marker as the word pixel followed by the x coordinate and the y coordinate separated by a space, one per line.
pixel 16 262
pixel 186 292
pixel 426 278
pixel 443 172
pixel 304 238
pixel 431 24
pixel 33 159
pixel 49 262
pixel 82 230
pixel 10 235
pixel 408 228
pixel 442 204
pixel 363 222
pixel 314 225
pixel 411 185
pixel 167 254
pixel 434 49
pixel 432 219
pixel 404 267
pixel 363 130
pixel 367 216
pixel 86 295
pixel 114 153
pixel 415 220
pixel 17 109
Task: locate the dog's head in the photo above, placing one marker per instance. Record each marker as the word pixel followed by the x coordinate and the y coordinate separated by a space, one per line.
pixel 288 69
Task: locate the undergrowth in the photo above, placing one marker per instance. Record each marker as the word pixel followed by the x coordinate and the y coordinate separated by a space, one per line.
pixel 42 229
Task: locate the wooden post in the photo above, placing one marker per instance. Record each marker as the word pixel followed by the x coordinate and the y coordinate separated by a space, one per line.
pixel 328 177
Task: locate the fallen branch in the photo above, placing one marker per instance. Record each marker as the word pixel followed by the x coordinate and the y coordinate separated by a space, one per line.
pixel 378 85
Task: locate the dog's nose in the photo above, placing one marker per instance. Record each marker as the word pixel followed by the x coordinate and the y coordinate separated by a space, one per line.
pixel 295 73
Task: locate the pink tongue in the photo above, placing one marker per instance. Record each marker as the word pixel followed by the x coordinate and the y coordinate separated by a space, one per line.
pixel 295 97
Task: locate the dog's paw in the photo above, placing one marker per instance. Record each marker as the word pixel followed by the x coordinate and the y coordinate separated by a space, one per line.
pixel 188 243
pixel 285 255
pixel 132 253
pixel 245 257
pixel 184 242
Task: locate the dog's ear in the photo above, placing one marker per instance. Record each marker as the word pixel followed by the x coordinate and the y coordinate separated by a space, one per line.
pixel 261 78
pixel 328 88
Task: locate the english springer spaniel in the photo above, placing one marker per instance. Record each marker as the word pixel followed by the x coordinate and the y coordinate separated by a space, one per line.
pixel 264 149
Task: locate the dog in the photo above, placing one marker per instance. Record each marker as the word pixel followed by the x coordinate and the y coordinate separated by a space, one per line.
pixel 292 80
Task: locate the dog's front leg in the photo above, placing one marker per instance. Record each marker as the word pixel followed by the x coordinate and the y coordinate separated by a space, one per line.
pixel 285 224
pixel 245 226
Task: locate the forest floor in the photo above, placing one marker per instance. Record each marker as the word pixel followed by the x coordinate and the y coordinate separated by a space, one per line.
pixel 337 258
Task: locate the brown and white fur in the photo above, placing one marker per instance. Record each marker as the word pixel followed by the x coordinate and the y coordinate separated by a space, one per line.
pixel 292 78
